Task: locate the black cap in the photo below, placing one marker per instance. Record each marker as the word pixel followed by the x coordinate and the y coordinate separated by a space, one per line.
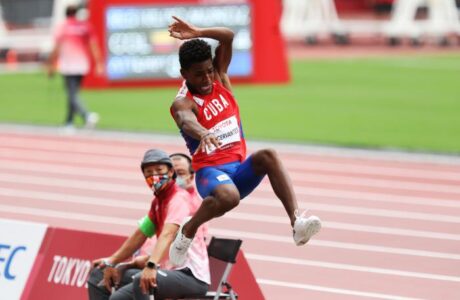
pixel 155 156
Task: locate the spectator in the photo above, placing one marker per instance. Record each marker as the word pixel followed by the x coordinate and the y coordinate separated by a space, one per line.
pixel 75 43
pixel 135 279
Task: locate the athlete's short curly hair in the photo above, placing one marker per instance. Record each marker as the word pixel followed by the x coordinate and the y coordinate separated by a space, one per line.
pixel 71 11
pixel 194 51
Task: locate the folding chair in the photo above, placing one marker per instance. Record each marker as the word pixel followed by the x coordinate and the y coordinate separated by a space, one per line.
pixel 222 255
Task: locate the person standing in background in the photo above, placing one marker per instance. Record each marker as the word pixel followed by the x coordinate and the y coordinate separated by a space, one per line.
pixel 75 43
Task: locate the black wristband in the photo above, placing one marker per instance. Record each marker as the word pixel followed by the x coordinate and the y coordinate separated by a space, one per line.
pixel 151 265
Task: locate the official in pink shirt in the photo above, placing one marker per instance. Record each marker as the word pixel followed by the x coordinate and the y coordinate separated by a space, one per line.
pixel 197 257
pixel 170 206
pixel 74 45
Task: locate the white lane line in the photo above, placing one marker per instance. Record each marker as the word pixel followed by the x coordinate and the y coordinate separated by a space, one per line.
pixel 143 206
pixel 229 233
pixel 310 179
pixel 318 288
pixel 348 226
pixel 75 183
pixel 371 196
pixel 75 147
pixel 333 244
pixel 66 215
pixel 363 170
pixel 70 169
pixel 289 161
pixel 65 157
pixel 107 136
pixel 374 183
pixel 375 155
pixel 347 209
pixel 311 193
pixel 67 198
pixel 348 267
pixel 122 188
pixel 317 194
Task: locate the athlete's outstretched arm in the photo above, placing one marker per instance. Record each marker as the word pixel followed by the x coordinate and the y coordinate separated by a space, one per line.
pixel 182 30
pixel 182 111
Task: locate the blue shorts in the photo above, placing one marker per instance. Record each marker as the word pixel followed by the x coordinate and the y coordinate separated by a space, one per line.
pixel 239 174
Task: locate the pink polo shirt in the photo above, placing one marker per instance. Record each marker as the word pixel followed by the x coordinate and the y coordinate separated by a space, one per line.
pixel 183 204
pixel 198 260
pixel 73 38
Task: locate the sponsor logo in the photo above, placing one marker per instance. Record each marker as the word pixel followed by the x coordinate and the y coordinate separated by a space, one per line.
pixel 227 132
pixel 19 245
pixel 8 255
pixel 69 271
pixel 223 177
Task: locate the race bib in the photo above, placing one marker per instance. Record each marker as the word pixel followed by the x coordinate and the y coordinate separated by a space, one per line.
pixel 227 132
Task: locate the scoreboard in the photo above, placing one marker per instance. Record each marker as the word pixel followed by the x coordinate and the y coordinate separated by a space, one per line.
pixel 139 46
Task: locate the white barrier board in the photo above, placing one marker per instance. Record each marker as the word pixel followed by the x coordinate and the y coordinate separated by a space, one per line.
pixel 19 245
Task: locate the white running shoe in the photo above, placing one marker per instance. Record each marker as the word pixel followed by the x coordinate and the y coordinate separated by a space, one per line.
pixel 179 248
pixel 305 227
pixel 91 120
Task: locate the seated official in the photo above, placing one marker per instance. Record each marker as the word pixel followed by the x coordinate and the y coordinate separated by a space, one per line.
pixel 134 280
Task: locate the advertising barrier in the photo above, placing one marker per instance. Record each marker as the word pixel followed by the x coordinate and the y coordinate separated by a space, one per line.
pixel 243 281
pixel 39 262
pixel 64 263
pixel 19 245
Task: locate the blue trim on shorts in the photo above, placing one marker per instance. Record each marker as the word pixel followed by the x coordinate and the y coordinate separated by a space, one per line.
pixel 240 174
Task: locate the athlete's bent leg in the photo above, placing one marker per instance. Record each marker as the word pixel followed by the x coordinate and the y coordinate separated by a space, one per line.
pixel 267 162
pixel 224 198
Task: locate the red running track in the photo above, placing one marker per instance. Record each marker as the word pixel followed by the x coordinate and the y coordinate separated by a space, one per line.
pixel 391 220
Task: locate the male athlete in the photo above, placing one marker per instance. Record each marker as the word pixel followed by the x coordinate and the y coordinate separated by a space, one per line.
pixel 208 117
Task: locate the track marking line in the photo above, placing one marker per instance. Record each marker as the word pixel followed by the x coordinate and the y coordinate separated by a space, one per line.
pixel 229 233
pixel 318 288
pixel 348 267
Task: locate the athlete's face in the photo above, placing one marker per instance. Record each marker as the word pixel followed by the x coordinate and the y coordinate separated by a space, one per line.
pixel 200 76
